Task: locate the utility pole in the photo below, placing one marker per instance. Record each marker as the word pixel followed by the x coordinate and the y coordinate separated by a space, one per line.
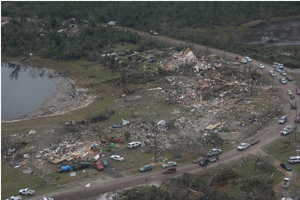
pixel 296 124
pixel 155 131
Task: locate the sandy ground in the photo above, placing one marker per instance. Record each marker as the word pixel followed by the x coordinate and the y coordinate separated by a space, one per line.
pixel 65 99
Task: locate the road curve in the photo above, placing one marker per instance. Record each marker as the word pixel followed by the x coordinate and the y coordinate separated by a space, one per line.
pixel 268 135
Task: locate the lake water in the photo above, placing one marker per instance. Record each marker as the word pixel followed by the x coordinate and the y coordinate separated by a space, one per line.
pixel 22 90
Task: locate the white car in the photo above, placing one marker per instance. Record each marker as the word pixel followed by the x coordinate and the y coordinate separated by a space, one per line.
pixel 243 61
pixel 223 94
pixel 15 198
pixel 289 92
pixel 133 145
pixel 261 66
pixel 27 191
pixel 248 59
pixel 117 157
pixel 169 164
pixel 214 152
pixel 283 73
pixel 243 146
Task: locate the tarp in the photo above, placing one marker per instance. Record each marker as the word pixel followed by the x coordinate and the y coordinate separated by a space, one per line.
pixel 112 145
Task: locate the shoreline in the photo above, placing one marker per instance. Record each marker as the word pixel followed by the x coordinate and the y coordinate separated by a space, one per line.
pixel 65 98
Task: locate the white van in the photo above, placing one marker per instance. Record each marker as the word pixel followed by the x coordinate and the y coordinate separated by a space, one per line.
pixel 294 159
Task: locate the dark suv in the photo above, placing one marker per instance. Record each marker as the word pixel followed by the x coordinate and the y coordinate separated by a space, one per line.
pixel 146 168
pixel 81 165
pixel 204 162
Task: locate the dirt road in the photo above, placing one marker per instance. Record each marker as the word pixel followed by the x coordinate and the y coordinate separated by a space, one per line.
pixel 268 135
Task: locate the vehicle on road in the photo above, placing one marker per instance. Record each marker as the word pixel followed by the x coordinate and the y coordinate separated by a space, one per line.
pixel 294 159
pixel 111 23
pixel 169 170
pixel 298 91
pixel 285 182
pixel 297 119
pixel 293 105
pixel 169 164
pixel 286 166
pixel 105 163
pixel 204 162
pixel 97 165
pixel 287 129
pixel 152 32
pixel 243 61
pixel 243 146
pixel 261 66
pixel 283 81
pixel 15 198
pixel 133 145
pixel 282 120
pixel 213 152
pixel 146 168
pixel 289 78
pixel 81 165
pixel 117 157
pixel 248 59
pixel 27 191
pixel 289 92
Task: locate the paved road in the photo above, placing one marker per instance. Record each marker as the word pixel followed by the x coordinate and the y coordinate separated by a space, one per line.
pixel 265 137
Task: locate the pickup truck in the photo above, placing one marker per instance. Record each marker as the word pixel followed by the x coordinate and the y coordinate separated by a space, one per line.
pixel 285 182
pixel 169 164
pixel 27 191
pixel 287 129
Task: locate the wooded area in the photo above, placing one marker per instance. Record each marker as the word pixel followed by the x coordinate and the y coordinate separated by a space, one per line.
pixel 34 25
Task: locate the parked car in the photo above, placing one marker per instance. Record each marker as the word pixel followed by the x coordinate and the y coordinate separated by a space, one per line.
pixel 248 59
pixel 47 198
pixel 289 92
pixel 169 164
pixel 81 165
pixel 133 145
pixel 146 168
pixel 169 170
pixel 285 182
pixel 223 94
pixel 27 191
pixel 277 70
pixel 287 129
pixel 297 119
pixel 105 163
pixel 204 162
pixel 286 166
pixel 15 198
pixel 298 91
pixel 289 78
pixel 152 59
pixel 282 120
pixel 283 73
pixel 283 81
pixel 293 159
pixel 293 105
pixel 243 61
pixel 213 152
pixel 243 146
pixel 261 66
pixel 272 73
pixel 117 157
pixel 97 165
pixel 286 198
